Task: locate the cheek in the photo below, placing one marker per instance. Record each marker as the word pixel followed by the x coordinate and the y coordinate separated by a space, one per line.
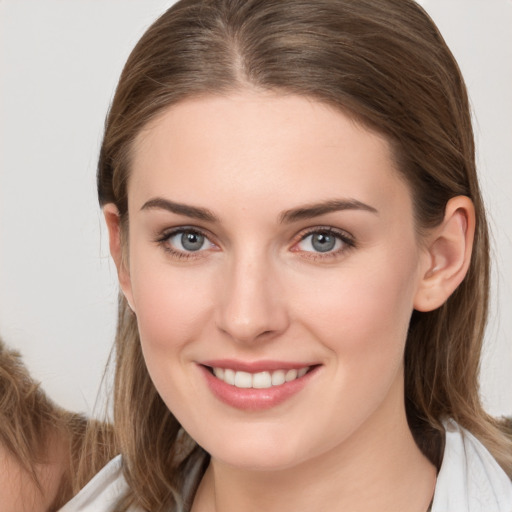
pixel 172 307
pixel 364 308
pixel 172 303
pixel 361 316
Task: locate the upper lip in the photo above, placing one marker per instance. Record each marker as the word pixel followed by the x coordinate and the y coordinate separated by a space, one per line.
pixel 255 366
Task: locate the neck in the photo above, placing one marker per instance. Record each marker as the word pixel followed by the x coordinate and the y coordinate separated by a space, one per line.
pixel 378 468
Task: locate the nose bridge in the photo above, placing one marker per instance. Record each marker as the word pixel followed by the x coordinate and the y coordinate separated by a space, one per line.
pixel 251 307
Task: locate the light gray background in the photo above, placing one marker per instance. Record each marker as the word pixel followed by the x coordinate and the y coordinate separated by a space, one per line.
pixel 59 63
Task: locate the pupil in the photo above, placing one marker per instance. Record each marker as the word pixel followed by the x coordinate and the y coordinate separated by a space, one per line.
pixel 192 241
pixel 323 243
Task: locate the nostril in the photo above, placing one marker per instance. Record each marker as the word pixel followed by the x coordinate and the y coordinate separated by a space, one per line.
pixel 265 334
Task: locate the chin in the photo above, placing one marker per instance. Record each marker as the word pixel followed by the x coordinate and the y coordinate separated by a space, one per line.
pixel 252 453
pixel 263 462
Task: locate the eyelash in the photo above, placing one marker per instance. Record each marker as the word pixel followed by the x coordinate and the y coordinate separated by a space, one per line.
pixel 347 241
pixel 345 238
pixel 163 241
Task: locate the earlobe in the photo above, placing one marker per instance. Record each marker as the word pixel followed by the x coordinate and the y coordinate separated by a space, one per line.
pixel 113 222
pixel 449 248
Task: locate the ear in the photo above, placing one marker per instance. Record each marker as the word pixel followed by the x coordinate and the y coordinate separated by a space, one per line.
pixel 448 249
pixel 113 220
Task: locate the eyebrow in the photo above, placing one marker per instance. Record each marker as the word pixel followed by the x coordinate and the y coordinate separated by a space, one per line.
pixel 288 216
pixel 181 209
pixel 317 209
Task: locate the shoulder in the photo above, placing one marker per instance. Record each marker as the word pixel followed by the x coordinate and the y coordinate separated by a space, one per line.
pixel 470 479
pixel 102 492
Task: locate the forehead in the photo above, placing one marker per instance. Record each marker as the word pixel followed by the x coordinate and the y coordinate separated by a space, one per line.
pixel 261 149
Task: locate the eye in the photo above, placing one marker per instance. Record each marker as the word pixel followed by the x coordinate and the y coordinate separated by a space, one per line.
pixel 188 241
pixel 184 242
pixel 324 241
pixel 319 242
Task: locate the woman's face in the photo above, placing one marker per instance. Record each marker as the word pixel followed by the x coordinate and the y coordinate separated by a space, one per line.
pixel 273 268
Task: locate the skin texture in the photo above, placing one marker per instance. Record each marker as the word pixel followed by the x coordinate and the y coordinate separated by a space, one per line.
pixel 257 290
pixel 18 489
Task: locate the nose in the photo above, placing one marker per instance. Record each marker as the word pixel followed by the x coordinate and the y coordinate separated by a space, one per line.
pixel 251 306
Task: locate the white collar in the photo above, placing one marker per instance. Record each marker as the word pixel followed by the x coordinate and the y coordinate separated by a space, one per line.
pixel 470 479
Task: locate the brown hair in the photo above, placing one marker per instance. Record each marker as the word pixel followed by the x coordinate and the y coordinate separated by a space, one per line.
pixel 42 442
pixel 384 63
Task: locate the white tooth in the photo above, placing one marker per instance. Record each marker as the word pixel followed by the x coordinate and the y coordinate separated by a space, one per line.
pixel 303 372
pixel 243 380
pixel 278 377
pixel 229 376
pixel 291 375
pixel 219 373
pixel 261 380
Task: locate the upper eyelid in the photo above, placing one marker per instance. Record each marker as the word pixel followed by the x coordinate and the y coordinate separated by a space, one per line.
pixel 325 229
pixel 164 234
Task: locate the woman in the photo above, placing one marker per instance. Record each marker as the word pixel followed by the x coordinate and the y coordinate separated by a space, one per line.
pixel 293 209
pixel 34 441
pixel 41 445
pixel 37 442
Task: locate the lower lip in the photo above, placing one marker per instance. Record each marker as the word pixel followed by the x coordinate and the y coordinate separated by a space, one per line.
pixel 251 399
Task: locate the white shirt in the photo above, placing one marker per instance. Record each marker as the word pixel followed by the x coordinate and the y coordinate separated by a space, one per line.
pixel 470 480
pixel 102 492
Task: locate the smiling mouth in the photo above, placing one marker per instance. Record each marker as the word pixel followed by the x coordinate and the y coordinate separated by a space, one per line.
pixel 259 380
